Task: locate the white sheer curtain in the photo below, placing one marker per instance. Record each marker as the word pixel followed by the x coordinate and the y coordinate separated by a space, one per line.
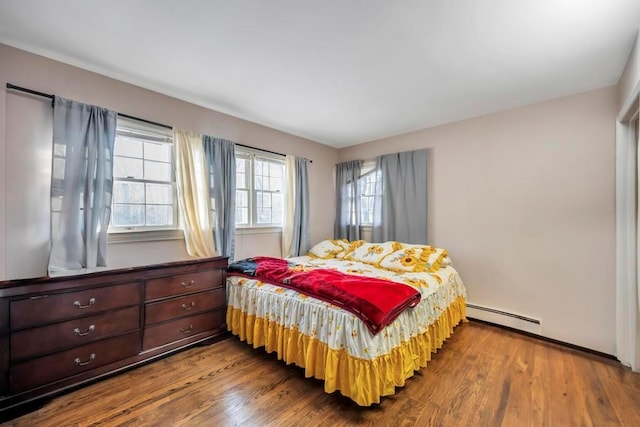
pixel 296 238
pixel 81 186
pixel 193 193
pixel 627 238
pixel 289 205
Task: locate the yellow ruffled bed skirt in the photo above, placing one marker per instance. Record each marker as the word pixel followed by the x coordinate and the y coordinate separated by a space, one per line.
pixel 363 381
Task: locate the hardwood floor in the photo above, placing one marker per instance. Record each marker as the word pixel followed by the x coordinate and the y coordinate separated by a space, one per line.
pixel 484 376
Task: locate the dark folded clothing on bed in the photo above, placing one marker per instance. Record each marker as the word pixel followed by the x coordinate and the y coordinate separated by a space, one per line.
pixel 376 302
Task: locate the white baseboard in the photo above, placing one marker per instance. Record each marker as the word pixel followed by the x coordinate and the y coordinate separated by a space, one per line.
pixel 504 318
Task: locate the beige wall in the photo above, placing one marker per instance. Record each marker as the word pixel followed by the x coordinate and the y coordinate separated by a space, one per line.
pixel 631 74
pixel 524 202
pixel 523 199
pixel 41 74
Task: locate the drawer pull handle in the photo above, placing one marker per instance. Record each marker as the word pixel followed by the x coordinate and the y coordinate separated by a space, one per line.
pixel 81 363
pixel 189 307
pixel 187 285
pixel 82 334
pixel 91 302
pixel 187 330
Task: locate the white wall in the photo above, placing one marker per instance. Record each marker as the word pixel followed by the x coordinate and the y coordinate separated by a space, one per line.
pixel 21 146
pixel 524 202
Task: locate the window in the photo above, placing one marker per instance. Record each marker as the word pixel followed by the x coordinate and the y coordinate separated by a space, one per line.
pixel 369 177
pixel 144 188
pixel 367 197
pixel 259 189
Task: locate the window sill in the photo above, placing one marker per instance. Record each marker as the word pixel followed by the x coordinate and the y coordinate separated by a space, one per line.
pixel 144 236
pixel 258 230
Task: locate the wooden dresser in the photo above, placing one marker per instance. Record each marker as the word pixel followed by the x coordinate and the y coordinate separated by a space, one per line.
pixel 57 333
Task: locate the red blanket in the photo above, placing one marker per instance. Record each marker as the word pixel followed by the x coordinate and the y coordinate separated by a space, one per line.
pixel 377 302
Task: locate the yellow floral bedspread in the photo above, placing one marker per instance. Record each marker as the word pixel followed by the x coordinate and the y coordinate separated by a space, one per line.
pixel 333 344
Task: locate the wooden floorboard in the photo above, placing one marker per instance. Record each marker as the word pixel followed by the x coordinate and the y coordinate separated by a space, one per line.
pixel 484 376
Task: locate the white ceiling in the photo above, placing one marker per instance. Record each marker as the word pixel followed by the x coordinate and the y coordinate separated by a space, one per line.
pixel 339 72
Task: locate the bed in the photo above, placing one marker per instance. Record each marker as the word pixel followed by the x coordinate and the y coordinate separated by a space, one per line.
pixel 340 347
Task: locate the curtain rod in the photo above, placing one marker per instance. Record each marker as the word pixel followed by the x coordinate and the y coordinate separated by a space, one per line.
pixel 48 95
pixel 51 97
pixel 266 151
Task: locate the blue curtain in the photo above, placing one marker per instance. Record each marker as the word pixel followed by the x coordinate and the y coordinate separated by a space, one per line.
pixel 400 206
pixel 301 238
pixel 347 225
pixel 221 159
pixel 81 185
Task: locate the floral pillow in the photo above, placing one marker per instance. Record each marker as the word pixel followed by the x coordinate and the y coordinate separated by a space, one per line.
pixel 438 258
pixel 346 247
pixel 325 249
pixel 373 253
pixel 410 258
pixel 417 258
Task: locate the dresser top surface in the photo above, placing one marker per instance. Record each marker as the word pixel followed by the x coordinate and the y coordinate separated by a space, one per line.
pixel 10 287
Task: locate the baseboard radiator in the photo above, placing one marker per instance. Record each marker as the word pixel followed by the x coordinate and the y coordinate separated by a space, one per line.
pixel 504 318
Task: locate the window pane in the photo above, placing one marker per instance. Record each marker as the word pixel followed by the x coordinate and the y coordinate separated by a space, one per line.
pixel 258 182
pixel 242 198
pixel 128 147
pixel 241 180
pixel 161 152
pixel 264 216
pixel 159 215
pixel 128 192
pixel 124 167
pixel 59 149
pixel 157 171
pixel 161 194
pixel 276 170
pixel 58 167
pixel 275 184
pixel 266 200
pixel 278 205
pixel 276 216
pixel 241 165
pixel 242 216
pixel 128 215
pixel 258 165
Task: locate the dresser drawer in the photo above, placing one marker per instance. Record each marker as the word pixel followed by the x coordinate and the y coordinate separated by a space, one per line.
pixel 50 308
pixel 183 283
pixel 46 339
pixel 156 336
pixel 184 306
pixel 43 370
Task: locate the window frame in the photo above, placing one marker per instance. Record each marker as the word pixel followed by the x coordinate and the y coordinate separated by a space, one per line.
pixel 252 155
pixel 146 133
